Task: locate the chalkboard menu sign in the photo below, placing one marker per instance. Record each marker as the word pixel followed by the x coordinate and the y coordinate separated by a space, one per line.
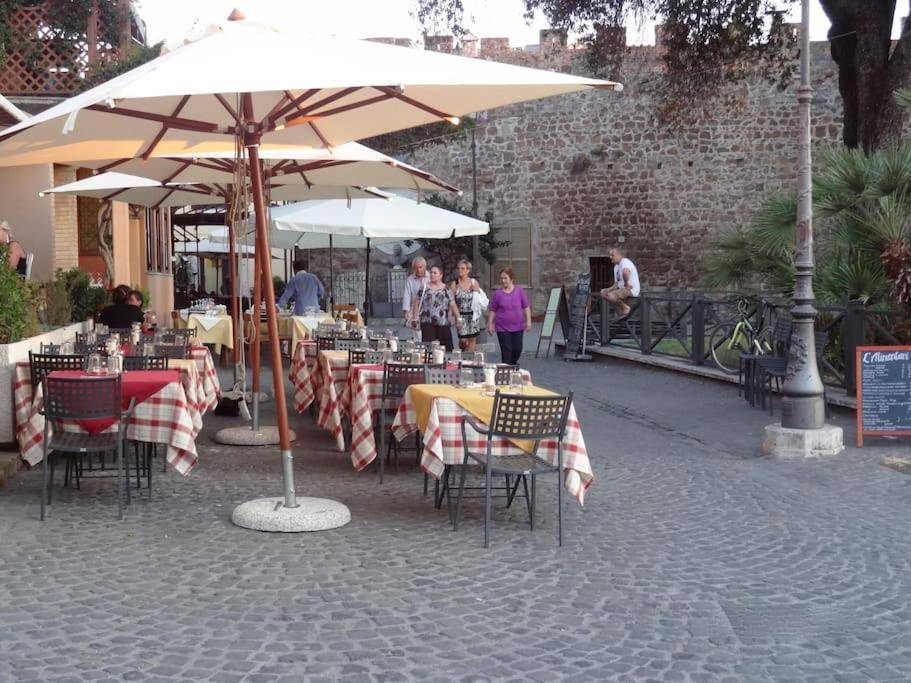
pixel 578 324
pixel 883 391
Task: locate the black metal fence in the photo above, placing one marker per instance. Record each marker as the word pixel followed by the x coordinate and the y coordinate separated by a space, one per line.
pixel 680 325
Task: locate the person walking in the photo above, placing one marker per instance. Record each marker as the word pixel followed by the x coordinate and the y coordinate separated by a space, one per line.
pixel 626 283
pixel 472 303
pixel 305 288
pixel 414 286
pixel 509 315
pixel 435 309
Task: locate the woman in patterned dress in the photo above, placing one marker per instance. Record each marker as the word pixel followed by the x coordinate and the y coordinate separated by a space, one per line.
pixel 436 310
pixel 465 288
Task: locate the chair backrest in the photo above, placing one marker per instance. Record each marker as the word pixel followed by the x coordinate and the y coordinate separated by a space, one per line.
pixel 346 344
pixel 529 417
pixel 29 262
pixel 171 350
pixel 373 356
pixel 781 333
pixel 356 356
pixel 503 372
pixel 146 338
pixel 172 336
pixel 50 349
pixel 85 349
pixel 477 371
pixel 40 365
pixel 124 332
pixel 437 374
pixel 325 343
pixel 145 363
pixel 82 398
pixel 325 330
pixel 397 377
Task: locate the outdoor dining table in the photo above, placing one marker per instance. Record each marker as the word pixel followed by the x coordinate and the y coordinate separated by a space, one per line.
pixel 437 411
pixel 303 327
pixel 162 414
pixel 210 329
pixel 361 398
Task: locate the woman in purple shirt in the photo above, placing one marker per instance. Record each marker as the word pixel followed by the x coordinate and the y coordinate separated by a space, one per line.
pixel 510 316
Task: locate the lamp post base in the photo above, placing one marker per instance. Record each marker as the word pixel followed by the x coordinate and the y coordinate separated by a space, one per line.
pixel 783 442
pixel 311 514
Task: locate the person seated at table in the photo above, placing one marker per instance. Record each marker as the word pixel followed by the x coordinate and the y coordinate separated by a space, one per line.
pixel 121 314
pixel 135 298
pixel 17 259
pixel 305 288
pixel 436 310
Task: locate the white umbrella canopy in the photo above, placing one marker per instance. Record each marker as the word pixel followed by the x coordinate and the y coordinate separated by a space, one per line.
pixel 122 187
pixel 348 164
pixel 311 90
pixel 393 220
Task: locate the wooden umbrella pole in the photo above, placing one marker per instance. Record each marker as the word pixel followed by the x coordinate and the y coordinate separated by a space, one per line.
pixel 232 273
pixel 251 142
pixel 255 348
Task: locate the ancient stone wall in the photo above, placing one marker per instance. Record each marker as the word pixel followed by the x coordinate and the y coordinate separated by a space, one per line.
pixel 591 169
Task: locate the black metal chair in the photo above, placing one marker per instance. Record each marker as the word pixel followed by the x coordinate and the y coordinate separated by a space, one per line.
pixel 342 344
pixel 175 351
pixel 84 398
pixel 50 349
pixel 503 372
pixel 373 356
pixel 397 377
pixel 356 356
pixel 86 348
pixel 325 343
pixel 435 374
pixel 776 372
pixel 145 363
pixel 532 418
pixel 41 364
pixel 749 369
pixel 477 371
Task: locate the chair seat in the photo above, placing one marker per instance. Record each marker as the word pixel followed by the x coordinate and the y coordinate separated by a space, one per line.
pixel 515 463
pixel 78 442
pixel 773 365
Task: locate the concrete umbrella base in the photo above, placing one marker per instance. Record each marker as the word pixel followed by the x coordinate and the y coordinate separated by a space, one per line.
pixel 244 436
pixel 311 514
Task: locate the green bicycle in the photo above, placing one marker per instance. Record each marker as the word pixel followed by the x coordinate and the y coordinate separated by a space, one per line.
pixel 729 340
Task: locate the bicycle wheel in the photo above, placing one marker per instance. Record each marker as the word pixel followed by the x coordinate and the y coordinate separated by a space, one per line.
pixel 726 348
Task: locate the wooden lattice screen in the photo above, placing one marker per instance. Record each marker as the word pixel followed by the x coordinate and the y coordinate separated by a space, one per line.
pixel 40 63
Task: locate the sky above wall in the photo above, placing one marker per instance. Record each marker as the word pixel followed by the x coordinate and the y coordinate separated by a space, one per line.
pixel 172 20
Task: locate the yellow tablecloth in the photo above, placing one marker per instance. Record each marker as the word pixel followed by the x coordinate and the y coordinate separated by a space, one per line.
pixel 477 401
pixel 220 334
pixel 304 327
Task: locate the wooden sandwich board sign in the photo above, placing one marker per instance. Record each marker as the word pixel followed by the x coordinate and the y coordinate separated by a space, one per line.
pixel 550 319
pixel 883 391
pixel 578 327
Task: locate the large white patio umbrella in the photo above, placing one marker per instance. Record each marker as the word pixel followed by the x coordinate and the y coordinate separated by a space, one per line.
pixel 267 88
pixel 365 222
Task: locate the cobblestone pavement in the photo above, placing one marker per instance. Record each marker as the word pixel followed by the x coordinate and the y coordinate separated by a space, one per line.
pixel 693 559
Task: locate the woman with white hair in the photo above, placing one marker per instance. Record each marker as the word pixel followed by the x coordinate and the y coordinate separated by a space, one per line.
pixel 16 253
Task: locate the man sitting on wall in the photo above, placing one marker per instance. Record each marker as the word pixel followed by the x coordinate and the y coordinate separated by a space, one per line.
pixel 626 283
pixel 305 288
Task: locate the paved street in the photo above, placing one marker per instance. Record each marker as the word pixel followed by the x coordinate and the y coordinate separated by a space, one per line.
pixel 693 559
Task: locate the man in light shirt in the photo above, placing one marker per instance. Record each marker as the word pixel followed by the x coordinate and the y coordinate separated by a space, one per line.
pixel 305 288
pixel 626 283
pixel 414 287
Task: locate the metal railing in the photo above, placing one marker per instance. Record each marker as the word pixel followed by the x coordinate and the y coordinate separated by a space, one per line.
pixel 679 325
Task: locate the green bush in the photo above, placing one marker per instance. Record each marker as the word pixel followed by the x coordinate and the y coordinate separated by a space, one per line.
pixel 14 311
pixel 146 296
pixel 86 300
pixel 57 303
pixel 278 285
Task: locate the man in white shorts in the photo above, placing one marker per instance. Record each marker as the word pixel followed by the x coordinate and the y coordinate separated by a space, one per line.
pixel 626 283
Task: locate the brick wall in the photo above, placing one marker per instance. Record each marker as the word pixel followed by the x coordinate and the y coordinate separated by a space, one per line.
pixel 66 230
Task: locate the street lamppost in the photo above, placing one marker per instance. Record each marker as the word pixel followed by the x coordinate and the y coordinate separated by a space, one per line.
pixel 480 119
pixel 803 431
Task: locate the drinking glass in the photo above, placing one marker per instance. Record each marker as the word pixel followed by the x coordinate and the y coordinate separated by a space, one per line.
pixel 96 363
pixel 388 355
pixel 409 345
pixel 148 350
pixel 479 357
pixel 115 364
pixel 490 375
pixel 516 381
pixel 416 356
pixel 456 356
pixel 466 377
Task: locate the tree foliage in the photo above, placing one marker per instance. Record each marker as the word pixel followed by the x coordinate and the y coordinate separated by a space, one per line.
pixel 709 42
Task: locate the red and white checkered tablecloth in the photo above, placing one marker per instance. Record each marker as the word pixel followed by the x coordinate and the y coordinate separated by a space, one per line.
pixel 443 443
pixel 301 375
pixel 360 399
pixel 211 385
pixel 165 417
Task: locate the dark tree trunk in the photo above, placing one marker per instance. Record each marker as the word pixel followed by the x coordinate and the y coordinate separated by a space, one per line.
pixel 870 69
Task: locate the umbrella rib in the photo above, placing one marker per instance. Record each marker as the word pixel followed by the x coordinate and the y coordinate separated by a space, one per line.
pixel 304 176
pixel 301 113
pixel 180 170
pixel 171 121
pixel 228 107
pixel 113 164
pixel 164 199
pixel 110 197
pixel 164 129
pixel 402 97
pixel 319 134
pixel 429 177
pixel 348 107
pixel 283 107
